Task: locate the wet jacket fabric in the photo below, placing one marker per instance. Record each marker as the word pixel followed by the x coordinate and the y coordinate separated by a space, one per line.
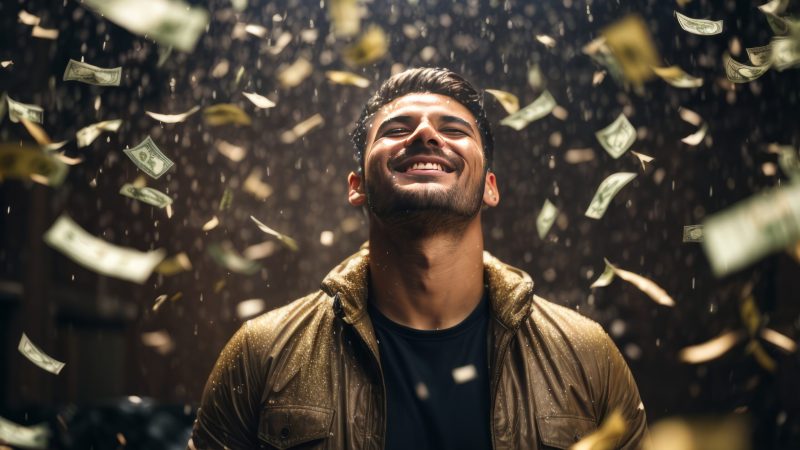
pixel 308 375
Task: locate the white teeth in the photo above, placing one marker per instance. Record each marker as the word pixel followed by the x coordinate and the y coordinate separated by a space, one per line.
pixel 426 166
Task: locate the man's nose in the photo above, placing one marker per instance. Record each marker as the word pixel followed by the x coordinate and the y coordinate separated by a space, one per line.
pixel 426 134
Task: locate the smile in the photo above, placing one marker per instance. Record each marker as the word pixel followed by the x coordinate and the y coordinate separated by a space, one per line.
pixel 424 165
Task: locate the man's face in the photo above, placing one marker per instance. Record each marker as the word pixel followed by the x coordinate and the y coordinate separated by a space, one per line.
pixel 424 155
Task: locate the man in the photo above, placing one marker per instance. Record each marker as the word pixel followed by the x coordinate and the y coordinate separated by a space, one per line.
pixel 421 340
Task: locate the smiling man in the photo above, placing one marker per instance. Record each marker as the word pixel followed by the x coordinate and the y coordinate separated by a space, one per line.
pixel 421 340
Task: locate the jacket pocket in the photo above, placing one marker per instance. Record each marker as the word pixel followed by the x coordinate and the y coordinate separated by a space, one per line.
pixel 563 431
pixel 288 425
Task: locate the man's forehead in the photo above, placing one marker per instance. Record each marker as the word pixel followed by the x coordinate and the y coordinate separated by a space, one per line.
pixel 429 102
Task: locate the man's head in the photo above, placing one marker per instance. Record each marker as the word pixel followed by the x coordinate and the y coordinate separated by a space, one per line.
pixel 424 147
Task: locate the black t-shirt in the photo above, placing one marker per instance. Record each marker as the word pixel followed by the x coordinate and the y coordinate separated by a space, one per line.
pixel 437 383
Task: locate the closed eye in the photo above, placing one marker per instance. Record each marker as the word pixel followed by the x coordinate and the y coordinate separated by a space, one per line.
pixel 395 131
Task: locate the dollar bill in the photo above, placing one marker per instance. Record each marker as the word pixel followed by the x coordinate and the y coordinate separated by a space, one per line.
pixel 618 137
pixel 643 159
pixel 370 47
pixel 301 129
pixel 227 257
pixel 349 78
pixel 692 233
pixel 259 100
pixel 789 162
pixel 225 114
pixel 345 17
pixel 44 33
pixel 173 118
pixel 286 240
pixel 35 437
pixel 647 286
pixel 87 73
pixel 632 46
pixel 509 101
pixel 699 26
pixel 540 107
pixel 28 18
pixel 677 77
pixel 17 110
pixel 785 53
pixel 753 228
pixel 547 216
pixel 599 51
pixel 146 194
pixel 168 22
pixel 38 357
pixel 25 163
pixel 85 136
pixel 95 254
pixel 149 158
pixel 697 137
pixel 772 11
pixel 712 349
pixel 294 74
pixel 173 265
pixel 742 73
pixel 606 192
pixel 760 56
pixel 607 436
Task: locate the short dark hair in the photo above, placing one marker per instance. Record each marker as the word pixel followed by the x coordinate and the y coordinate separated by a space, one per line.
pixel 428 80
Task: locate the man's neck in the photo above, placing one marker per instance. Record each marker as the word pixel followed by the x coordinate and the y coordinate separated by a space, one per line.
pixel 426 282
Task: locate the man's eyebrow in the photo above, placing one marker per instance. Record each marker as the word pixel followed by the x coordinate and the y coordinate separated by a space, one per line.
pixel 458 120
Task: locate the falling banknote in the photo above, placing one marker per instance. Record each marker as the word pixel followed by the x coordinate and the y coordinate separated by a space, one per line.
pixel 173 118
pixel 87 135
pixel 149 158
pixel 699 26
pixel 760 55
pixel 540 107
pixel 606 192
pixel 618 137
pixel 146 194
pixel 742 73
pixel 649 287
pixel 23 437
pixel 676 76
pixel 286 240
pixel 38 357
pixel 752 229
pixel 87 73
pixel 547 216
pixel 25 163
pixel 693 233
pixel 95 254
pixel 785 53
pixel 18 110
pixel 509 101
pixel 168 22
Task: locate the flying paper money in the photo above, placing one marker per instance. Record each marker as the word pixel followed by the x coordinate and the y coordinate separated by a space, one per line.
pixel 789 162
pixel 696 137
pixel 173 118
pixel 149 158
pixel 654 291
pixel 25 163
pixel 286 240
pixel 146 194
pixel 370 47
pixel 760 56
pixel 712 349
pixel 509 101
pixel 259 100
pixel 224 114
pixel 174 265
pixel 38 357
pixel 643 159
pixel 785 52
pixel 606 192
pixel 301 129
pixel 753 228
pixel 89 74
pixel 606 437
pixel 540 107
pixel 742 73
pixel 699 26
pixel 345 17
pixel 226 256
pixel 168 22
pixel 87 135
pixel 675 76
pixel 632 46
pixel 95 254
pixel 693 233
pixel 339 77
pixel 293 75
pixel 618 137
pixel 17 110
pixel 547 216
pixel 24 437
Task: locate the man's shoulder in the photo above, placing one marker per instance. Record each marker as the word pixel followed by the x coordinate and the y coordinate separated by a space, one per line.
pixel 290 318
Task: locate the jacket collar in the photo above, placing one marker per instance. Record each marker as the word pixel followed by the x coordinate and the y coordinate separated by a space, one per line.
pixel 510 289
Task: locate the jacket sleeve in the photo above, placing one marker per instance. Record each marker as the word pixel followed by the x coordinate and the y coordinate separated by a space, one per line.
pixel 229 410
pixel 623 395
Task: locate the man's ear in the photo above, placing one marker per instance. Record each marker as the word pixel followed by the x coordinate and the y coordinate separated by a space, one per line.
pixel 356 196
pixel 491 195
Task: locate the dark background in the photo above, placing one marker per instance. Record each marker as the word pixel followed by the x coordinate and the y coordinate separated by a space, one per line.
pixel 95 323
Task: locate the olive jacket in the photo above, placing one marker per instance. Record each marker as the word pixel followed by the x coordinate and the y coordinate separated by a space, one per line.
pixel 308 375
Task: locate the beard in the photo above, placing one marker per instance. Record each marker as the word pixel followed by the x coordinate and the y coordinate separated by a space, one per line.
pixel 424 211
